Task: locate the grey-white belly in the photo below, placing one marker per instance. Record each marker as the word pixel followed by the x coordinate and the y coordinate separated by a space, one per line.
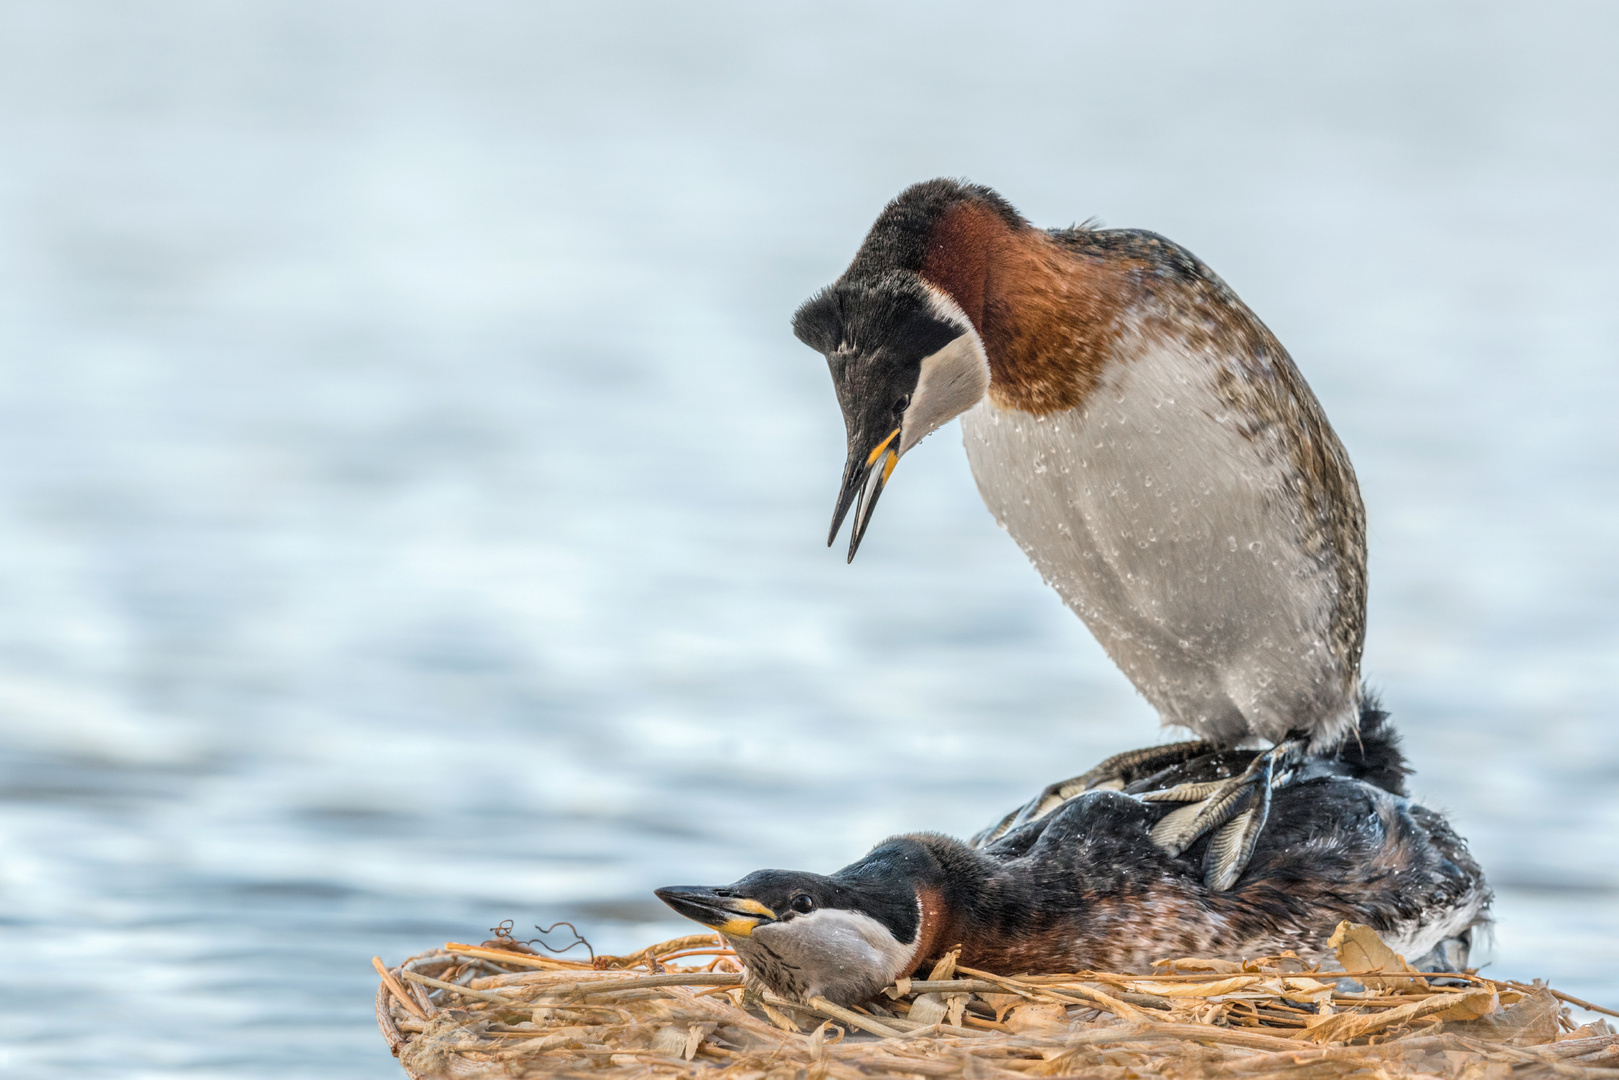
pixel 1178 540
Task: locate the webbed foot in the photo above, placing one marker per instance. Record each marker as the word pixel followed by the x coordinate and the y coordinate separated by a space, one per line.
pixel 1115 773
pixel 1234 810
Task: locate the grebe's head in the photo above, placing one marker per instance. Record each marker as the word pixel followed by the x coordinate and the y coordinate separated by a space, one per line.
pixel 905 360
pixel 802 935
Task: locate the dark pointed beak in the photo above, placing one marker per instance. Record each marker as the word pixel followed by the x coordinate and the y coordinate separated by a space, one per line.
pixel 734 916
pixel 864 478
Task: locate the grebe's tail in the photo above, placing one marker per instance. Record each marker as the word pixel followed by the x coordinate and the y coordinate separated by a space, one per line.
pixel 1372 753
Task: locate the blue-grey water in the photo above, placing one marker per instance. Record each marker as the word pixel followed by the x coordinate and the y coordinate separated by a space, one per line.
pixel 412 501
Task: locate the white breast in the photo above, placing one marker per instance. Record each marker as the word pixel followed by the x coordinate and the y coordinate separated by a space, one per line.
pixel 1177 538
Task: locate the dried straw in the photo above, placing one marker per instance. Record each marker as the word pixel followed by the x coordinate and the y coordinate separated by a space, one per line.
pixel 497 1010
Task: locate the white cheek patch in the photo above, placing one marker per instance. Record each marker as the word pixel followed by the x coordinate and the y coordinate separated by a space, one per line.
pixel 953 380
pixel 832 947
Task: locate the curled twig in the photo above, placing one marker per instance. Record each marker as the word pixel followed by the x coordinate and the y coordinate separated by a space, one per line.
pixel 578 940
pixel 503 933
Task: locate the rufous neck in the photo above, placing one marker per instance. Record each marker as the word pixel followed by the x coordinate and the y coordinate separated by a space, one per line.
pixel 1048 317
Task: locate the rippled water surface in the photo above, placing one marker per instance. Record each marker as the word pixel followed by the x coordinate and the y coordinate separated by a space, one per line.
pixel 412 502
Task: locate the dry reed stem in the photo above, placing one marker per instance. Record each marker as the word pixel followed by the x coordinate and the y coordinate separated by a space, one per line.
pixel 521 959
pixel 689 978
pixel 394 988
pixel 464 991
pixel 838 1012
pixel 696 952
pixel 385 1020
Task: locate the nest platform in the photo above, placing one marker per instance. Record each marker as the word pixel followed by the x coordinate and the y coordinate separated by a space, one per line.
pixel 679 1009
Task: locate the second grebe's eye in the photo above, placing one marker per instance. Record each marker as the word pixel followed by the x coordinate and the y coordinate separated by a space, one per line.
pixel 902 404
pixel 802 904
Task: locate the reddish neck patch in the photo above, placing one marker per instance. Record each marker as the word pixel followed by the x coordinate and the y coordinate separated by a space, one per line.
pixel 1048 317
pixel 937 924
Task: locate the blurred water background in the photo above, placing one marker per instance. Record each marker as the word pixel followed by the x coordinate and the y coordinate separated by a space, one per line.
pixel 412 500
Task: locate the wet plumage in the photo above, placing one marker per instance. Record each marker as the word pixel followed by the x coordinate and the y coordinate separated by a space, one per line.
pixel 1085 887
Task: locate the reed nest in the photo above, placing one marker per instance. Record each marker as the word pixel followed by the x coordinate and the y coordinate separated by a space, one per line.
pixel 679 1009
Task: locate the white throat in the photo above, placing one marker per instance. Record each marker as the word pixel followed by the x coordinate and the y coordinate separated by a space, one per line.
pixel 953 380
pixel 843 955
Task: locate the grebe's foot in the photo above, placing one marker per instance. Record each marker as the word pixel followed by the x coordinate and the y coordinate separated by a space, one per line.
pixel 1234 810
pixel 1112 774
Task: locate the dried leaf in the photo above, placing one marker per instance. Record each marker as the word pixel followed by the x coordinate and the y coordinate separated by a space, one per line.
pixel 817 1041
pixel 957 1005
pixel 946 967
pixel 1361 951
pixel 780 1019
pixel 1000 1002
pixel 1295 988
pixel 1190 965
pixel 694 1039
pixel 928 1008
pixel 1473 1006
pixel 670 1041
pixel 1346 1026
pixel 1114 1005
pixel 1213 988
pixel 1024 1018
pixel 1530 1022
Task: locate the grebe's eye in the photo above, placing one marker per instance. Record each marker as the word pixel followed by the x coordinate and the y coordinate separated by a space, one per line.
pixel 803 904
pixel 902 404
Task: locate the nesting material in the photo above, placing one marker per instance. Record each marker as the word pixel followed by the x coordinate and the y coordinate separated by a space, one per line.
pixel 678 1009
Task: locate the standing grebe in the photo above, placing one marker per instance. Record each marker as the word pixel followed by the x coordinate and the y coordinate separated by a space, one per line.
pixel 1150 446
pixel 1085 888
